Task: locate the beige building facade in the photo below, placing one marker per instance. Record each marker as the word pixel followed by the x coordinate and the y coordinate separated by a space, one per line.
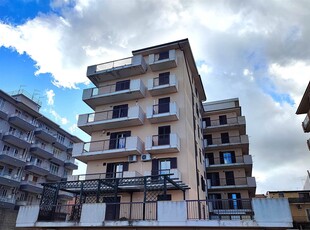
pixel 228 163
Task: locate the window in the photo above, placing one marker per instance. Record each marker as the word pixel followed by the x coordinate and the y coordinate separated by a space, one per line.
pixel 164 135
pixel 206 122
pixel 304 195
pixel 60 138
pixel 215 178
pixel 122 85
pixel 54 168
pixel 208 140
pixel 203 184
pixel 120 111
pixel 210 157
pixel 234 201
pixel 163 105
pixel 163 166
pixel 163 78
pixel 115 170
pixel 227 157
pixel 56 151
pixel 230 179
pixel 216 200
pixel 281 194
pixel 118 139
pixel 223 119
pixel 225 138
pixel 163 55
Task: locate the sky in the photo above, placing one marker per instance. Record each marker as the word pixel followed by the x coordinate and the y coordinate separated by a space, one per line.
pixel 255 50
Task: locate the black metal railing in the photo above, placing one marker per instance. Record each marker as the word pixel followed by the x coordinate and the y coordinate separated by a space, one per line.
pixel 162 139
pixel 107 115
pixel 114 143
pixel 217 122
pixel 67 212
pixel 229 181
pixel 233 209
pixel 219 141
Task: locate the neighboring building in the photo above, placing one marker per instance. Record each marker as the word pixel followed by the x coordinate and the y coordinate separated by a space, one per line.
pixel 145 161
pixel 299 201
pixel 33 150
pixel 304 108
pixel 228 163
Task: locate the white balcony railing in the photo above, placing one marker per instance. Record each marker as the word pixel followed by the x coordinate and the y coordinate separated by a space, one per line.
pixel 163 143
pixel 163 112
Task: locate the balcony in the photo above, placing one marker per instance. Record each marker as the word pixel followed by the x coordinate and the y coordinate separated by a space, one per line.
pixel 7 202
pixel 158 87
pixel 11 180
pixel 17 139
pixel 116 69
pixel 174 174
pixel 231 123
pixel 236 162
pixel 227 143
pixel 22 122
pixel 232 183
pixel 41 151
pixel 306 124
pixel 38 167
pixel 71 164
pixel 166 143
pixel 163 60
pixel 105 149
pixel 31 186
pixel 12 158
pixel 45 135
pixel 3 114
pixel 60 144
pixel 114 93
pixel 162 112
pixel 54 175
pixel 111 119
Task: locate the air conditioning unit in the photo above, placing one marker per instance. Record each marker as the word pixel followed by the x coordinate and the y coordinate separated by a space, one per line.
pixel 132 158
pixel 146 157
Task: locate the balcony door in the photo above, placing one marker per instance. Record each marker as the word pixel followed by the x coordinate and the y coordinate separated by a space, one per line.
pixel 225 138
pixel 116 170
pixel 118 139
pixel 223 119
pixel 122 85
pixel 215 178
pixel 112 207
pixel 120 111
pixel 230 178
pixel 163 78
pixel 163 105
pixel 227 157
pixel 234 201
pixel 163 166
pixel 164 135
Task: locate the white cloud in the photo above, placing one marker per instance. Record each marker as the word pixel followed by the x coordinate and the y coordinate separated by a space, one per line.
pixel 253 50
pixel 50 96
pixel 58 118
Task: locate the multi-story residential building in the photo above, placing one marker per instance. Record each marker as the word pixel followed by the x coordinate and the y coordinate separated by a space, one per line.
pixel 145 160
pixel 228 163
pixel 299 201
pixel 304 108
pixel 33 150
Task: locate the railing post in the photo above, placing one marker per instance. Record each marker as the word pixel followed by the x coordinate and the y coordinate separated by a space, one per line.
pixel 144 200
pixel 199 210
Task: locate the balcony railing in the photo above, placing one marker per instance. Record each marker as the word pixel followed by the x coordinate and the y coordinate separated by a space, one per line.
pixel 8 199
pixel 236 181
pixel 116 69
pixel 10 176
pixel 163 143
pixel 231 140
pixel 109 119
pixel 123 146
pixel 306 124
pixel 113 93
pixel 225 161
pixel 14 155
pixel 240 120
pixel 157 86
pixel 163 60
pixel 22 122
pixel 163 112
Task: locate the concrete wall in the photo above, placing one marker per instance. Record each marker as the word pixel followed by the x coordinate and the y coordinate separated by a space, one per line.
pixel 8 219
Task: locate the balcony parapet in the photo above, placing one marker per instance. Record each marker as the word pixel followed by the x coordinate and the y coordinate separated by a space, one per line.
pixel 111 119
pixel 166 143
pixel 237 161
pixel 13 158
pixel 156 87
pixel 306 124
pixel 163 60
pixel 116 69
pixel 109 148
pixel 112 93
pixel 22 122
pixel 162 112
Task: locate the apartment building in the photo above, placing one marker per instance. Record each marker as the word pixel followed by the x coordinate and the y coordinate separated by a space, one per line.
pixel 304 108
pixel 33 150
pixel 299 201
pixel 145 161
pixel 228 163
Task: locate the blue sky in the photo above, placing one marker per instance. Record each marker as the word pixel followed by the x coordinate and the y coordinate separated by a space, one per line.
pixel 246 49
